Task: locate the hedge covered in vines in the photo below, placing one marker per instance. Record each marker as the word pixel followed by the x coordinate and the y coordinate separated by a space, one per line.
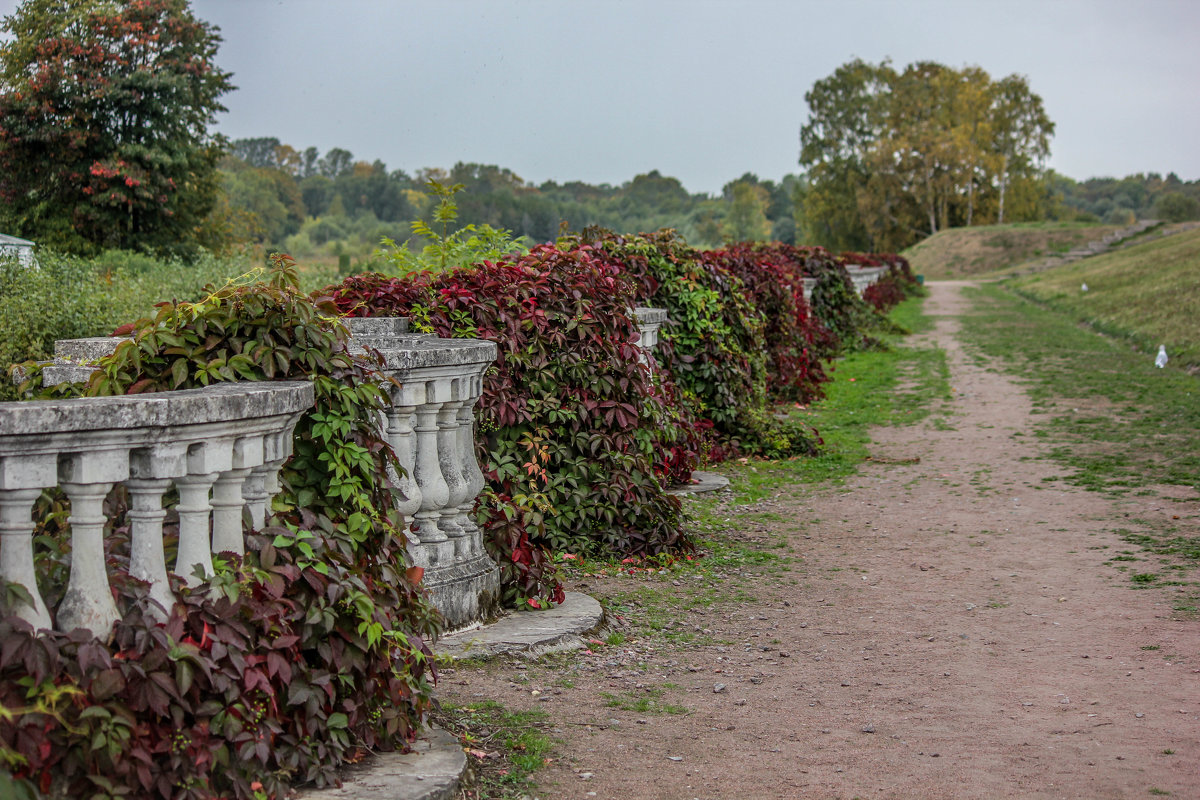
pixel 290 662
pixel 715 348
pixel 579 438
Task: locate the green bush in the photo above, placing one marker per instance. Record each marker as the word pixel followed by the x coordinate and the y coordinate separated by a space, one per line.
pixel 65 297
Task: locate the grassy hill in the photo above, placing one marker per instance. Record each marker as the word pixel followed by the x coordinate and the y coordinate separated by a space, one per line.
pixel 970 252
pixel 1148 293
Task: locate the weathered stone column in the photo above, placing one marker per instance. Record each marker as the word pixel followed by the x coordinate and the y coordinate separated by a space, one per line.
pixel 473 537
pixel 227 503
pixel 263 481
pixel 151 471
pixel 16 551
pixel 87 478
pixel 450 458
pixel 809 285
pixel 428 470
pixel 402 438
pixel 147 561
pixel 195 512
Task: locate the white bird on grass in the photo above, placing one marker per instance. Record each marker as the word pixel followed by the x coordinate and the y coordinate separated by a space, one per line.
pixel 1161 360
pixel 1083 288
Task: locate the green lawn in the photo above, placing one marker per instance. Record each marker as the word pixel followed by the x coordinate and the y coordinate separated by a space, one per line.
pixel 1148 294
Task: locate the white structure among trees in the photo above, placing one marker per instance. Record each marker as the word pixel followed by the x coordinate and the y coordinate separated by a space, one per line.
pixel 21 248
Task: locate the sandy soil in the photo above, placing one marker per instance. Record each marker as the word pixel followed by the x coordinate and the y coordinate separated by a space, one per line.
pixel 953 632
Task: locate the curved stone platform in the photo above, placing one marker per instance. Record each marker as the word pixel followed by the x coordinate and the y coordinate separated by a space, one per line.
pixel 534 632
pixel 432 771
pixel 704 482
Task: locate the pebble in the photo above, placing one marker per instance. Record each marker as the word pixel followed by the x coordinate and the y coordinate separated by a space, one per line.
pixel 718 688
pixel 868 728
pixel 586 776
pixel 674 758
pixel 1139 715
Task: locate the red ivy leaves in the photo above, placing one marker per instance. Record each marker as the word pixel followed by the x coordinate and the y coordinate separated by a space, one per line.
pixel 569 379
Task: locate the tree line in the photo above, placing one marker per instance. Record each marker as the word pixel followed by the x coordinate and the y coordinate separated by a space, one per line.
pixel 106 108
pixel 308 203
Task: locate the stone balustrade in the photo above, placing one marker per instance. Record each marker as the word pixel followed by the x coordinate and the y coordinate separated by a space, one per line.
pixel 862 277
pixel 221 446
pixel 431 426
pixel 649 320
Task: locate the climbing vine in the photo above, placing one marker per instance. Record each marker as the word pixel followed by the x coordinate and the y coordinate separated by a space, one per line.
pixel 304 655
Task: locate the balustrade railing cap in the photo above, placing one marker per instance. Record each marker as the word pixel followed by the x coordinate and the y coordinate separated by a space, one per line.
pixel 88 349
pixel 433 352
pixel 645 315
pixel 220 402
pixel 376 326
pixel 389 342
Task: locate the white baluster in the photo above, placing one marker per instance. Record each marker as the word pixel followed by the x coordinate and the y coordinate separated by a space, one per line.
pixel 205 463
pixel 227 502
pixel 87 478
pixel 263 481
pixel 88 601
pixel 450 459
pixel 194 511
pixel 150 473
pixel 229 495
pixel 146 559
pixel 16 551
pixel 471 470
pixel 401 438
pixel 428 473
pixel 254 492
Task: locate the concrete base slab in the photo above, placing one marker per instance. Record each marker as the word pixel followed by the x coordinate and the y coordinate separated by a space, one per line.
pixel 535 632
pixel 703 482
pixel 432 771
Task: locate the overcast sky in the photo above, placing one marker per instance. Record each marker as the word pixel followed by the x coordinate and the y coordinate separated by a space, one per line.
pixel 703 90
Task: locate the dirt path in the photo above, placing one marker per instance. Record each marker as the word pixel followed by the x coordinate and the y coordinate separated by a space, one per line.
pixel 953 632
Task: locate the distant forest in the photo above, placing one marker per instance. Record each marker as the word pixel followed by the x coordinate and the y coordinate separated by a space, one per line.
pixel 322 207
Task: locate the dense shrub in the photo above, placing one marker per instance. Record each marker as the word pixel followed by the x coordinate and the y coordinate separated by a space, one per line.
pixel 575 426
pixel 303 655
pixel 884 294
pixel 776 287
pixel 715 347
pixel 64 297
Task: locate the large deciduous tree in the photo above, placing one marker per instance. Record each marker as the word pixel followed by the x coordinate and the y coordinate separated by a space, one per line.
pixel 892 156
pixel 104 114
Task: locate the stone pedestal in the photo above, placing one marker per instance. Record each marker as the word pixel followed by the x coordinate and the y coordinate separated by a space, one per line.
pixel 430 425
